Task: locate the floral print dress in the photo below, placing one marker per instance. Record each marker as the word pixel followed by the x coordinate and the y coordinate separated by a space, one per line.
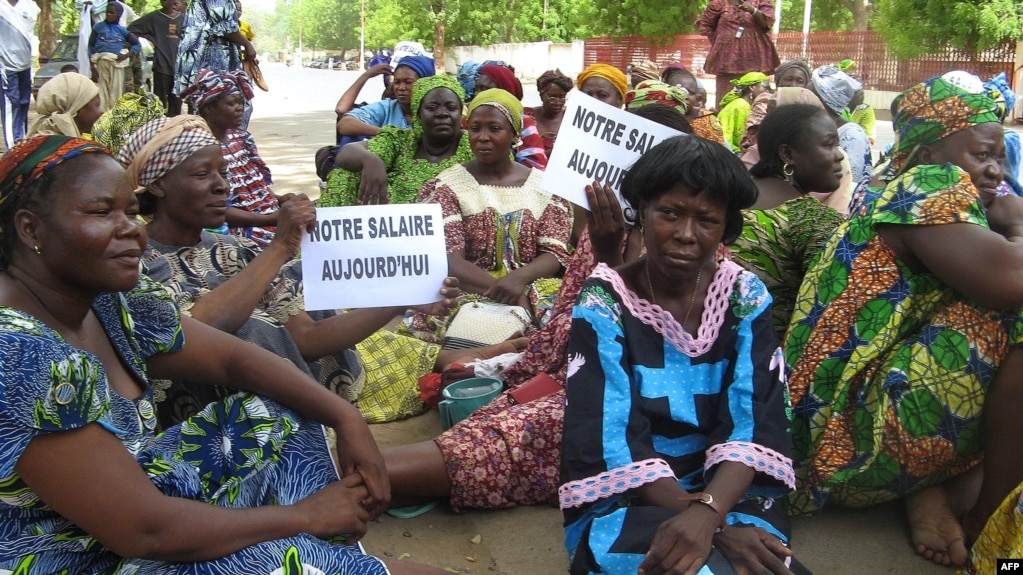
pixel 242 452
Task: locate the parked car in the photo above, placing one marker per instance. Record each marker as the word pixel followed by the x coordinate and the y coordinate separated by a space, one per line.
pixel 66 53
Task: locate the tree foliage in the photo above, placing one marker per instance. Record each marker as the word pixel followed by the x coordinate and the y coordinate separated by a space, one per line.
pixel 914 27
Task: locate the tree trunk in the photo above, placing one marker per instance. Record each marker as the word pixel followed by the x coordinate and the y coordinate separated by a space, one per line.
pixel 45 30
pixel 860 12
pixel 510 30
pixel 438 43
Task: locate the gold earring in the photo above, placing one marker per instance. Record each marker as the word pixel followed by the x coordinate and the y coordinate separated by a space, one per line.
pixel 36 248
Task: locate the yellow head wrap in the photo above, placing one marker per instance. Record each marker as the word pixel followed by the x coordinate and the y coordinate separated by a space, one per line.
pixel 509 105
pixel 607 72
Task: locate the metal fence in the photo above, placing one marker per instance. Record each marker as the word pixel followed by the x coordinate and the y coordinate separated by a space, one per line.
pixel 875 65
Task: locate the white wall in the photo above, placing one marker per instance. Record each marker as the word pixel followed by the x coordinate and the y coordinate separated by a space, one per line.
pixel 529 59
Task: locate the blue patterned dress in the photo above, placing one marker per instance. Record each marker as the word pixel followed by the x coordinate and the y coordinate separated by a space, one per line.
pixel 204 42
pixel 242 452
pixel 647 400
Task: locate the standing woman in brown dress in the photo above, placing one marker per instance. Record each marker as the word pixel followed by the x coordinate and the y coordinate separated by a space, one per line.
pixel 740 40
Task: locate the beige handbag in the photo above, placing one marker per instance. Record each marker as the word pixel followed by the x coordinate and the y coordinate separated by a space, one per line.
pixel 480 323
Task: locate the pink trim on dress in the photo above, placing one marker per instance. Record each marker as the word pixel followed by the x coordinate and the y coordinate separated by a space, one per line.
pixel 714 307
pixel 613 482
pixel 754 456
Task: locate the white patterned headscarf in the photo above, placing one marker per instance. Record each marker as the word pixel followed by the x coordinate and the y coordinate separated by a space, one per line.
pixel 835 88
pixel 160 145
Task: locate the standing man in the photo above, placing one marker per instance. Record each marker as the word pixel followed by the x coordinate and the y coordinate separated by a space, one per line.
pixel 17 25
pixel 163 29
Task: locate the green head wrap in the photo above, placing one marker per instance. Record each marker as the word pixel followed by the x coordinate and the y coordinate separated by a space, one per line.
pixel 749 79
pixel 424 86
pixel 656 92
pixel 933 110
pixel 508 105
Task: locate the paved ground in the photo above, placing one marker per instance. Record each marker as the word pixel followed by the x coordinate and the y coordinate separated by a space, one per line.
pixel 290 123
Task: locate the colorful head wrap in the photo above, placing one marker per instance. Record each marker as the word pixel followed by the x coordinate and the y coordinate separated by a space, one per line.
pixel 424 86
pixel 999 84
pixel 130 112
pixel 553 78
pixel 657 92
pixel 422 65
pixel 160 145
pixel 32 157
pixel 931 111
pixel 507 104
pixel 504 78
pixel 835 88
pixel 609 73
pixel 467 74
pixel 749 79
pixel 646 70
pixel 59 100
pixel 210 85
pixel 799 63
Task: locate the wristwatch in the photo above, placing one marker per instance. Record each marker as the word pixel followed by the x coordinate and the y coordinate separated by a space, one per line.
pixel 708 500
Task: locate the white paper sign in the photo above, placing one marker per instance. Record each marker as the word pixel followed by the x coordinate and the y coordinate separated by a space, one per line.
pixel 374 256
pixel 597 142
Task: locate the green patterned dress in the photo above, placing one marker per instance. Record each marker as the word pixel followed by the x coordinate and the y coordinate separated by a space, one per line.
pixel 890 367
pixel 406 173
pixel 780 244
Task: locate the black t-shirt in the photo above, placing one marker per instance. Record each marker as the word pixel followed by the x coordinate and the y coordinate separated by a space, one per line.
pixel 165 32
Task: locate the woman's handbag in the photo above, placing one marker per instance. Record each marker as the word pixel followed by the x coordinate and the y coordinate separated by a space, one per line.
pixel 480 323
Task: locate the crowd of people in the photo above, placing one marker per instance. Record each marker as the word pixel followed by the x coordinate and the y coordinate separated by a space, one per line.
pixel 764 320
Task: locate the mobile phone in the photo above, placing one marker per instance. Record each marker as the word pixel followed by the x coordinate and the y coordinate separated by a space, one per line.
pixel 739 31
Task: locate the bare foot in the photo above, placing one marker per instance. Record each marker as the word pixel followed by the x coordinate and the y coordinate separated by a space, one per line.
pixel 449 356
pixel 935 527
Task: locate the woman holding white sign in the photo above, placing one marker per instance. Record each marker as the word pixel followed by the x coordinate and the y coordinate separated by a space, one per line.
pixel 227 282
pixel 503 232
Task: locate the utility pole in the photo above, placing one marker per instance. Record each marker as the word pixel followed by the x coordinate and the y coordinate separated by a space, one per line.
pixel 362 36
pixel 299 33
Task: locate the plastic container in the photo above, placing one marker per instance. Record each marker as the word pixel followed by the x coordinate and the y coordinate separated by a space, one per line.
pixel 466 396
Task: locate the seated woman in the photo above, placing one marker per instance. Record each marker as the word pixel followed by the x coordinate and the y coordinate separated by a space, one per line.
pixel 506 453
pixel 836 90
pixel 529 150
pixel 367 121
pixel 553 87
pixel 503 232
pixel 603 82
pixel 786 227
pixel 735 106
pixel 230 284
pixel 82 333
pixel 394 165
pixel 704 122
pixel 904 344
pixel 68 105
pixel 794 73
pixel 791 74
pixel 220 98
pixel 658 476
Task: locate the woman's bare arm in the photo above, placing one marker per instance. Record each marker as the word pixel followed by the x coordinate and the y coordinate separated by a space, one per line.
pixel 88 477
pixel 985 265
pixel 231 303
